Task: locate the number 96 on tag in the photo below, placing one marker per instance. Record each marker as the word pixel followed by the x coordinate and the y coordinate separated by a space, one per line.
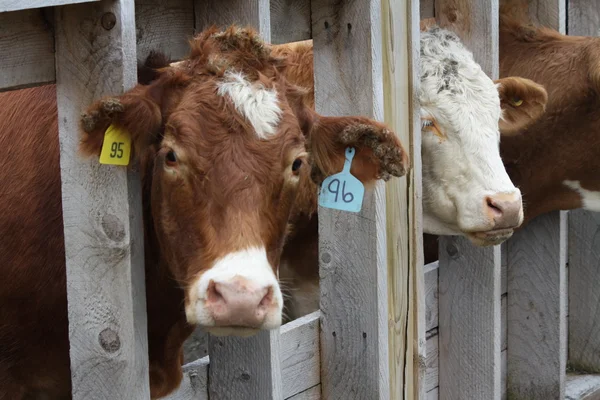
pixel 342 192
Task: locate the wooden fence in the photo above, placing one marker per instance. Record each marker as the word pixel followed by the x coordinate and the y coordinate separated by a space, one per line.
pixel 480 324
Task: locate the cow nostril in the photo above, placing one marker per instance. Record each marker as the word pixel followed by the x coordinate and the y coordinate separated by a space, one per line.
pixel 492 205
pixel 267 299
pixel 213 294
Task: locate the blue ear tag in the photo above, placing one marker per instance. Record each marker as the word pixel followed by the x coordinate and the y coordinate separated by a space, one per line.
pixel 343 191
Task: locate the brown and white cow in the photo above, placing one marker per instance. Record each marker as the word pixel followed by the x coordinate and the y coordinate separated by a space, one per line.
pixel 555 161
pixel 226 148
pixel 466 190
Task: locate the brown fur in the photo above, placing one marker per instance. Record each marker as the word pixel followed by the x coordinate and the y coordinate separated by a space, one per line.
pixel 227 191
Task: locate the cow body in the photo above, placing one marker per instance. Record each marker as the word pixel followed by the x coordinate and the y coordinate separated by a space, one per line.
pixel 227 153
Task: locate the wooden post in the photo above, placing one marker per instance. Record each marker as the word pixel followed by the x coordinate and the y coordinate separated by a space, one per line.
pixel 469 276
pixel 352 251
pixel 104 242
pixel 406 291
pixel 242 368
pixel 584 241
pixel 536 285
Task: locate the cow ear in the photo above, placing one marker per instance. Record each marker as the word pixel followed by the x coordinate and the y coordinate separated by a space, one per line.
pixel 523 102
pixel 139 112
pixel 379 153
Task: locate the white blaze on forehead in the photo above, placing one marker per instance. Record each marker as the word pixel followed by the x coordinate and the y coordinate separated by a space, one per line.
pixel 589 198
pixel 251 264
pixel 256 103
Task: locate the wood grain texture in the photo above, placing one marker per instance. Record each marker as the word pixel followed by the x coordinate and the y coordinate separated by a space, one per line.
pixel 290 21
pixel 255 13
pixel 536 314
pixel 584 296
pixel 196 346
pixel 431 295
pixel 476 23
pixel 245 368
pixel 26 49
pixel 584 17
pixel 195 382
pixel 550 13
pixel 470 319
pixel 101 211
pixel 164 25
pixel 352 253
pixel 406 288
pixel 313 393
pixel 583 387
pixel 470 277
pixel 15 5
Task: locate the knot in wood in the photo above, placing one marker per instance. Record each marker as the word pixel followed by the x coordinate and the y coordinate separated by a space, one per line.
pixel 108 21
pixel 109 340
pixel 326 258
pixel 245 376
pixel 113 227
pixel 452 250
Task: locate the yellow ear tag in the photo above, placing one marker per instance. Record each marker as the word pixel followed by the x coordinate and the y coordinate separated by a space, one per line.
pixel 116 148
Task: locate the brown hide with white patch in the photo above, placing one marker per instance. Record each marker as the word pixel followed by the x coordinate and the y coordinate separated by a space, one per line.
pixel 211 188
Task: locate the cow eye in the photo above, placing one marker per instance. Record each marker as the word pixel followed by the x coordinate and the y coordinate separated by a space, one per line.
pixel 296 166
pixel 171 158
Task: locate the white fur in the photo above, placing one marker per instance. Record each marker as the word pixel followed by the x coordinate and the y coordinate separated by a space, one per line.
pixel 251 264
pixel 464 167
pixel 589 198
pixel 256 103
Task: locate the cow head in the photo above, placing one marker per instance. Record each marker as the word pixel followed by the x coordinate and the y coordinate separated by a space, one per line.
pixel 466 190
pixel 226 144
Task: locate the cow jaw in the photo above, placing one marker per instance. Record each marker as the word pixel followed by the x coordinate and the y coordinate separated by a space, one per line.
pixel 239 295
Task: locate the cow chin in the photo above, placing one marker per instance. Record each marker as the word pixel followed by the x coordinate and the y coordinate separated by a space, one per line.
pixel 489 238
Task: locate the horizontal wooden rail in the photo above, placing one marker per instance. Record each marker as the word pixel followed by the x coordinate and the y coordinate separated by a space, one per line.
pixel 16 5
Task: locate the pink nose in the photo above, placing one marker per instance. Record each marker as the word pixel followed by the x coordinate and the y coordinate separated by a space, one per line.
pixel 238 302
pixel 505 209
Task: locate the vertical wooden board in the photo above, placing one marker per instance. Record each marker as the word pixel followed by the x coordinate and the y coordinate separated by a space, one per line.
pixel 406 287
pixel 102 211
pixel 196 346
pixel 550 13
pixel 584 296
pixel 470 277
pixel 245 368
pixel 469 315
pixel 352 253
pixel 584 17
pixel 164 25
pixel 427 9
pixel 536 314
pixel 15 5
pixel 290 21
pixel 255 13
pixel 26 49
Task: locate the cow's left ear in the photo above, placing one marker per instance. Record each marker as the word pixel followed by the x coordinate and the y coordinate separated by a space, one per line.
pixel 379 153
pixel 523 102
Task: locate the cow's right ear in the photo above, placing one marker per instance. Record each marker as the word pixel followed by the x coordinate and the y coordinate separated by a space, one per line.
pixel 139 112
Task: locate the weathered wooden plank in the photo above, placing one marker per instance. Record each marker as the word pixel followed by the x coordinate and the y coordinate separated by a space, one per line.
pixel 195 382
pixel 469 315
pixel 164 25
pixel 536 315
pixel 550 13
pixel 432 365
pixel 102 211
pixel 470 278
pixel 352 253
pixel 290 21
pixel 431 295
pixel 196 346
pixel 584 296
pixel 406 287
pixel 583 387
pixel 245 368
pixel 15 5
pixel 584 18
pixel 26 49
pixel 314 393
pixel 427 9
pixel 255 13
